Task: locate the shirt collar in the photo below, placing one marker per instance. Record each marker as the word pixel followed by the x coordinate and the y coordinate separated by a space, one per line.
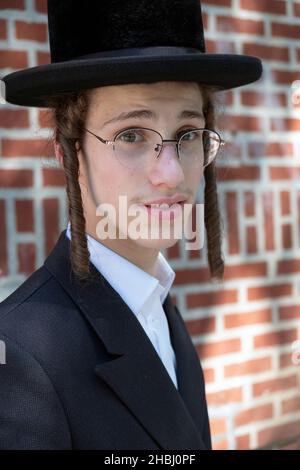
pixel 132 283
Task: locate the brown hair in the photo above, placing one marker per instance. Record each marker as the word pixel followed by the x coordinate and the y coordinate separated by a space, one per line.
pixel 69 113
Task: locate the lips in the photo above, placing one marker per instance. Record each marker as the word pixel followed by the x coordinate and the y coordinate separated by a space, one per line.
pixel 176 198
pixel 164 206
pixel 171 212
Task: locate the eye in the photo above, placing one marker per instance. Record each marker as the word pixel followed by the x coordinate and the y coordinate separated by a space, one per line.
pixel 189 136
pixel 130 136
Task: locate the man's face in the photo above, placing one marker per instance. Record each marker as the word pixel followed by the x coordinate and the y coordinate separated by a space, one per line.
pixel 103 178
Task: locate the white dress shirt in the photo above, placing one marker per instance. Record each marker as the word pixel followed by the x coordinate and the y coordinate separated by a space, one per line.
pixel 143 293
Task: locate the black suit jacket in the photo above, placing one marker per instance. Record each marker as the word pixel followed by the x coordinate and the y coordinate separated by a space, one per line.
pixel 81 373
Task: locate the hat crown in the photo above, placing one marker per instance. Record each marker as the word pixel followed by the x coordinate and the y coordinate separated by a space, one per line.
pixel 107 25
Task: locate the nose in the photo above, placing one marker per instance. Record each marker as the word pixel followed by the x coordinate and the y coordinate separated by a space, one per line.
pixel 166 167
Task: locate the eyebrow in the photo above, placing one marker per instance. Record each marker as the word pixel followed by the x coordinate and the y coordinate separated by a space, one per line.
pixel 147 114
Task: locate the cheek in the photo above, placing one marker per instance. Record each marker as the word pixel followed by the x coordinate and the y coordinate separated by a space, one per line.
pixel 109 179
pixel 193 177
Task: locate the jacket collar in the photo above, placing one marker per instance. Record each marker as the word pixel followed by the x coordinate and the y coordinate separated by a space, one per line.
pixel 136 373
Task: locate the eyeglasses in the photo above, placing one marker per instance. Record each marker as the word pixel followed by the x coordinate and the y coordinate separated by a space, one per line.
pixel 136 148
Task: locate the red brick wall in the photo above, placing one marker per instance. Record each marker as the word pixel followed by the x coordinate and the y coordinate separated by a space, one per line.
pixel 244 329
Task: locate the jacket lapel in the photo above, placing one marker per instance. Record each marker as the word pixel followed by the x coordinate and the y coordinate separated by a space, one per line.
pixel 136 374
pixel 190 378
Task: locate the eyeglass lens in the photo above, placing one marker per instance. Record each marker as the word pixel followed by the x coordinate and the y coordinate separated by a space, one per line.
pixel 138 148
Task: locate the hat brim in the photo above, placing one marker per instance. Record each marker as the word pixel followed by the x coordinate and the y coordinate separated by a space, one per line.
pixel 35 85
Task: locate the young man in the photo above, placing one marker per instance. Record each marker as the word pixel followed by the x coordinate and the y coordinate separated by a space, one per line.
pixel 97 356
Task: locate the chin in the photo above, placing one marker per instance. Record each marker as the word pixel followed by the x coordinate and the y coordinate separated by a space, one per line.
pixel 156 244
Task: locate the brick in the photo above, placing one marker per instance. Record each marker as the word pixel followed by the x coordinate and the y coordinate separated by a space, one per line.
pixel 285 77
pixel 218 348
pixel 201 326
pixel 51 223
pixel 228 97
pixel 11 118
pixel 242 442
pixel 26 148
pixel 274 385
pixel 269 291
pixel 209 375
pixel 191 254
pixel 3 244
pixel 289 312
pixel 31 31
pixel 288 266
pixel 270 149
pixel 3 29
pixel 220 445
pixel 296 9
pixel 245 270
pixel 211 298
pixel 275 338
pixel 230 24
pixel 13 59
pixel 251 98
pixel 290 31
pixel 12 4
pixel 46 120
pixel 232 150
pixel 254 366
pixel 287 237
pixel 284 173
pixel 53 177
pixel 246 173
pixel 290 405
pixel 173 252
pixel 24 215
pixel 26 257
pixel 285 202
pixel 269 223
pixel 41 6
pixel 264 6
pixel 285 124
pixel 249 204
pixel 273 433
pixel 219 46
pixel 286 360
pixel 191 276
pixel 16 178
pixel 251 240
pixel 266 52
pixel 238 123
pixel 237 320
pixel 223 397
pixel 253 415
pixel 218 426
pixel 43 58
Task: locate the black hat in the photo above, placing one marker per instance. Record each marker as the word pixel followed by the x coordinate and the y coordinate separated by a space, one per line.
pixel 115 42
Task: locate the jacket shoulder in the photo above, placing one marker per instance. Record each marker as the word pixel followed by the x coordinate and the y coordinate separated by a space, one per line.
pixel 39 312
pixel 28 288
